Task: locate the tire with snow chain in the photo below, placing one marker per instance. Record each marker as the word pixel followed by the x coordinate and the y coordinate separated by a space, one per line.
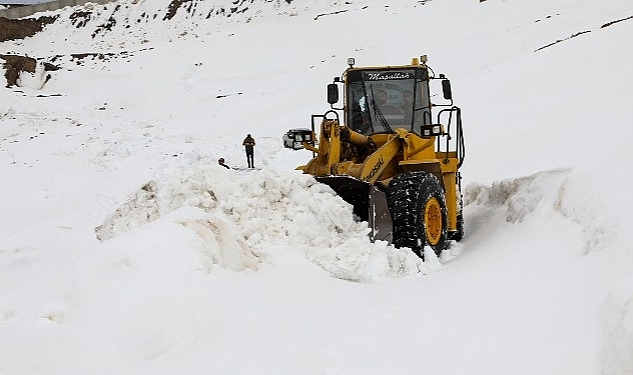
pixel 418 212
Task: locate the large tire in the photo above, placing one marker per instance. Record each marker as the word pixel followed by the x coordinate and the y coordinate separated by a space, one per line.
pixel 418 212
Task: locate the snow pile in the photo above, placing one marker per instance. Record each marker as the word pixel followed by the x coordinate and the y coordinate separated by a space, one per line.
pixel 264 209
pixel 517 198
pixel 576 194
pixel 35 80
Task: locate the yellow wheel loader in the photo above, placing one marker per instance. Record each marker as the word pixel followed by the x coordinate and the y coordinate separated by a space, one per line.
pixel 396 155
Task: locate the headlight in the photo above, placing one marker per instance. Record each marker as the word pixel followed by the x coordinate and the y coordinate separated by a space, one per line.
pixel 431 130
pixel 295 138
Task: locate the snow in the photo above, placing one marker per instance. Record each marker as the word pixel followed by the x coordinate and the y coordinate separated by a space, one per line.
pixel 125 248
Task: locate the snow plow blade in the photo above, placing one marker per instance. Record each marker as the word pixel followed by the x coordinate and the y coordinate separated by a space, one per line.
pixel 368 201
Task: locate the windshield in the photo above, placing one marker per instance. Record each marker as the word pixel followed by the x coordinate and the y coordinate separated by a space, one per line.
pixel 380 101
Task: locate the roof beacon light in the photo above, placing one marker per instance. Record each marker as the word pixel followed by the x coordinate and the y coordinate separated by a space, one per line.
pixel 351 61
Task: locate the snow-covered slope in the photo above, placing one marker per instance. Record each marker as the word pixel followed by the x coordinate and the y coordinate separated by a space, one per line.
pixel 124 248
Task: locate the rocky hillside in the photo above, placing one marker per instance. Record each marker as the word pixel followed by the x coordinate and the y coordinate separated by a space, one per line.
pixel 19 29
pixel 136 21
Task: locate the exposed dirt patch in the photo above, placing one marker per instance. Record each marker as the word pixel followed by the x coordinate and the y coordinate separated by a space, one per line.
pixel 22 28
pixel 80 18
pixel 173 8
pixel 19 29
pixel 14 64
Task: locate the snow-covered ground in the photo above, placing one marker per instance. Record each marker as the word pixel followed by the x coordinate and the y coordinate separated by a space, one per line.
pixel 126 249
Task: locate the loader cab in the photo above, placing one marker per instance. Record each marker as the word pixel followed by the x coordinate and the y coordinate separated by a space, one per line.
pixel 379 100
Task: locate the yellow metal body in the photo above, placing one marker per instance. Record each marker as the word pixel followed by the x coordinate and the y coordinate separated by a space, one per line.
pixel 391 125
pixel 342 152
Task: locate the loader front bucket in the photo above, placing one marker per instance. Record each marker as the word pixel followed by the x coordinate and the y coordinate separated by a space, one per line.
pixel 369 203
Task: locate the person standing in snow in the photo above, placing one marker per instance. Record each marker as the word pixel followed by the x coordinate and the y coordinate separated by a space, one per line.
pixel 249 146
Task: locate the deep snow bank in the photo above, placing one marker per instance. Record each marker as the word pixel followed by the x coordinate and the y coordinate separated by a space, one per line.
pixel 588 201
pixel 239 215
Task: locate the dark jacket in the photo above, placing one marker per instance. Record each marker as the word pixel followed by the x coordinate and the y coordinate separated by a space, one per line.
pixel 249 143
